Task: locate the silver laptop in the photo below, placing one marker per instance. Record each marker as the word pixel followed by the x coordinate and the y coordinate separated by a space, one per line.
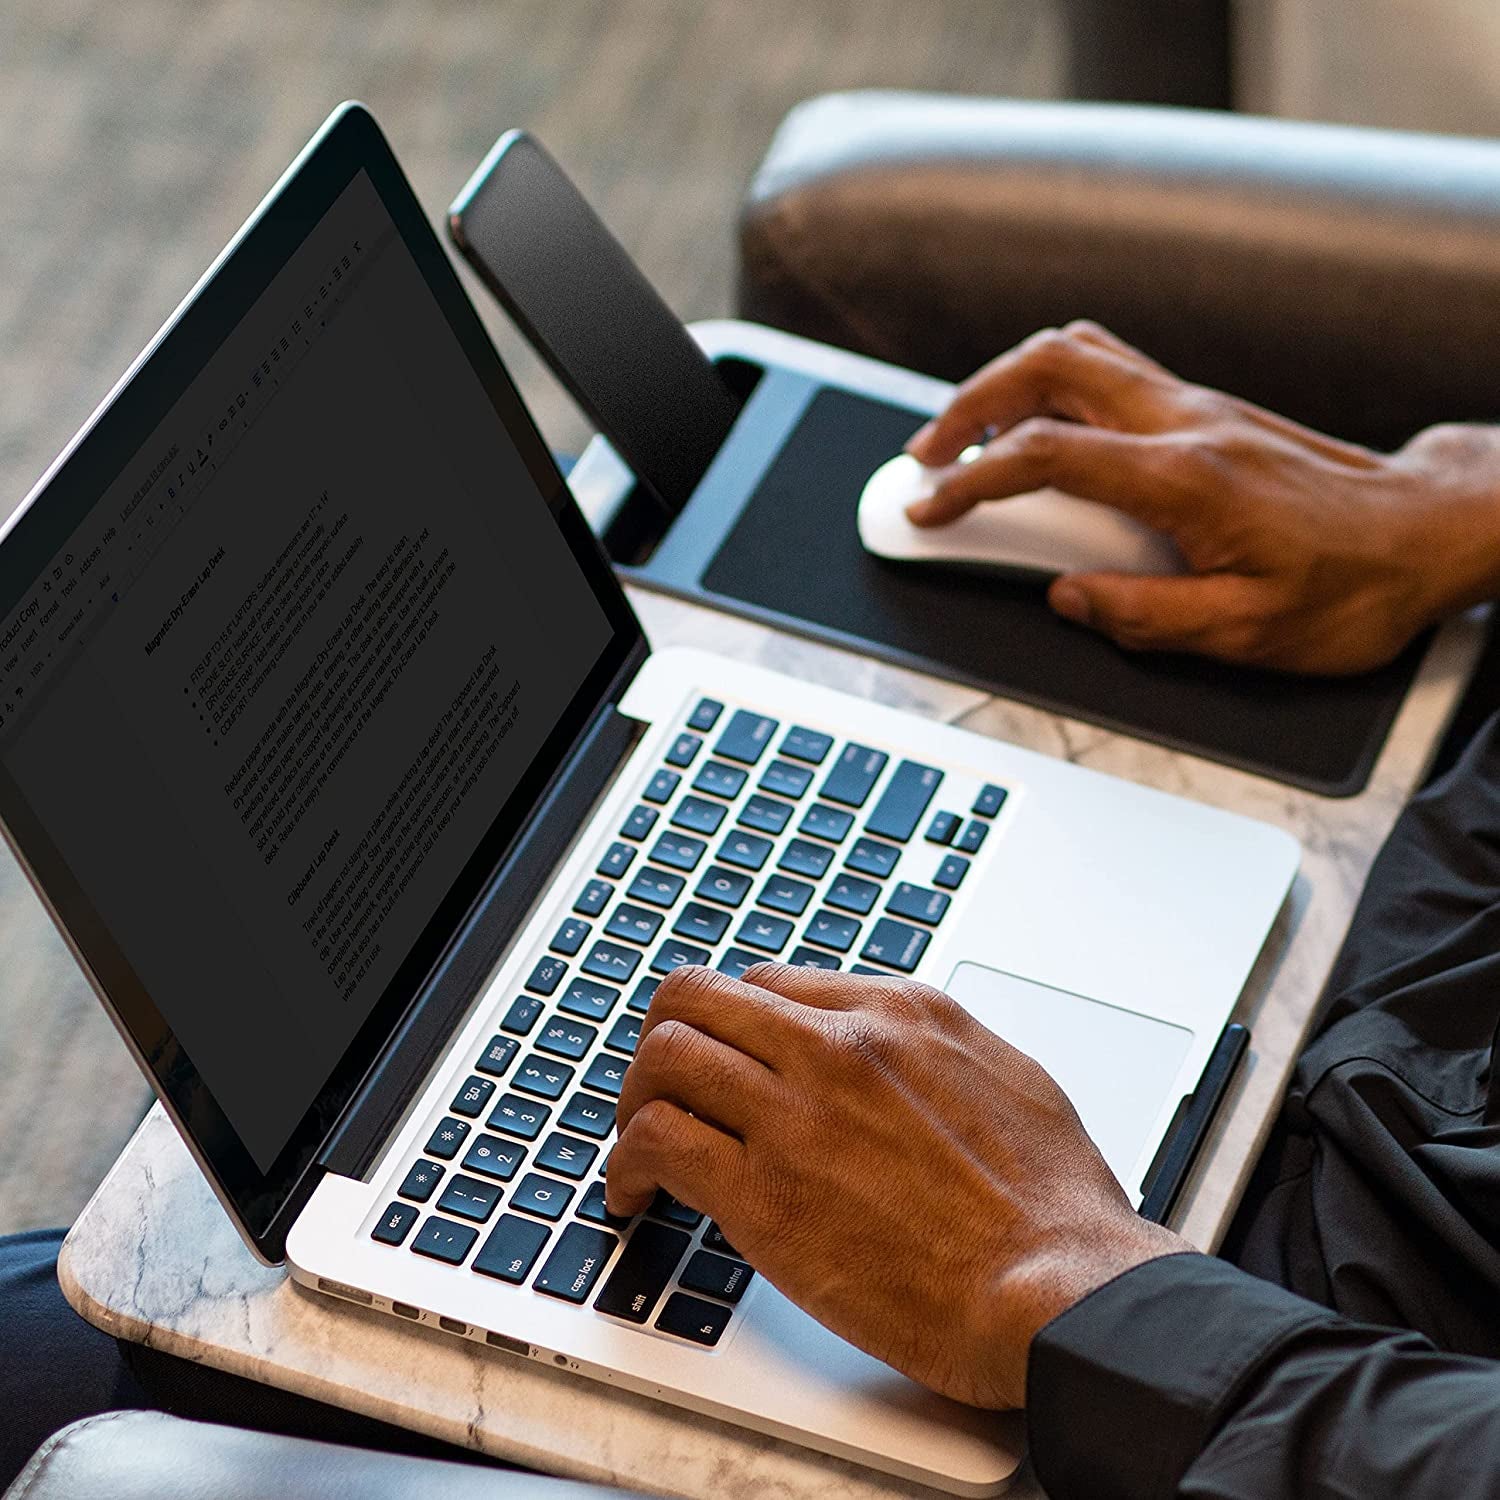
pixel 335 750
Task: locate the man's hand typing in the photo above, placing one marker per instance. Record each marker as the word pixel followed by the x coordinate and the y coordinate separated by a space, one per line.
pixel 909 1179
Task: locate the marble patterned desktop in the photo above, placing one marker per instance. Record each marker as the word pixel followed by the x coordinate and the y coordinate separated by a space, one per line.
pixel 153 1258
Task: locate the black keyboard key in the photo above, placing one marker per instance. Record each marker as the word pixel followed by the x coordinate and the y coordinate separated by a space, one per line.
pixel 442 1239
pixel 786 779
pixel 640 999
pixel 611 962
pixel 811 958
pixel 577 1261
pixel 393 1226
pixel 765 814
pixel 801 858
pixel 593 1209
pixel 521 1016
pixel 661 786
pixel 727 886
pixel 495 1158
pixel 735 961
pixel 683 749
pixel 782 893
pixel 718 778
pixel 625 1035
pixel 545 1197
pixel 972 837
pixel 469 1198
pixel 447 1138
pixel 918 904
pixel 904 801
pixel 746 737
pixel 590 1001
pixel 566 1156
pixel 518 1116
pixel 747 850
pixel 593 898
pixel 564 1038
pixel 570 937
pixel 700 923
pixel 950 874
pixel 632 924
pixel 543 1077
pixel 665 1206
pixel 767 933
pixel 420 1181
pixel 693 1318
pixel 473 1098
pixel 698 815
pixel 616 861
pixel 832 930
pixel 854 775
pixel 716 1275
pixel 643 1272
pixel 871 857
pixel 512 1249
pixel 824 822
pixel 588 1116
pixel 942 828
pixel 675 954
pixel 706 715
pixel 850 893
pixel 806 744
pixel 638 823
pixel 656 887
pixel 896 945
pixel 606 1074
pixel 547 975
pixel 713 1239
pixel 498 1056
pixel 990 800
pixel 867 969
pixel 678 851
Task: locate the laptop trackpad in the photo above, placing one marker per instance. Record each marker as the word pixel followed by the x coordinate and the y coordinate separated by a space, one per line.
pixel 1116 1066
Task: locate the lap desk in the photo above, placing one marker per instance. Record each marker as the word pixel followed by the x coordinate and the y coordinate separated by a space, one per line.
pixel 770 533
pixel 153 1258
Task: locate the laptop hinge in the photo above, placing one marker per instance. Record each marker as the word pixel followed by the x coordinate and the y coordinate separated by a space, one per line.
pixel 489 928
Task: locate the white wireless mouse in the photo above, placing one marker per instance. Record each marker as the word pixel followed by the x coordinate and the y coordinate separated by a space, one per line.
pixel 1034 536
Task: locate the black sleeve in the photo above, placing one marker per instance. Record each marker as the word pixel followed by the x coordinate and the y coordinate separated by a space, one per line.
pixel 1186 1376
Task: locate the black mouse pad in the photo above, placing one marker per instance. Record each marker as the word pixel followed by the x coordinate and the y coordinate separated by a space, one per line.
pixel 794 550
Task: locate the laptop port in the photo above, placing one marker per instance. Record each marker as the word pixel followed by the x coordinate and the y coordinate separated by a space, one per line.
pixel 348 1293
pixel 511 1346
pixel 452 1325
pixel 406 1310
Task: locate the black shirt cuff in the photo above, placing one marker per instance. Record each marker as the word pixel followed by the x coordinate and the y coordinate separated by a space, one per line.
pixel 1126 1388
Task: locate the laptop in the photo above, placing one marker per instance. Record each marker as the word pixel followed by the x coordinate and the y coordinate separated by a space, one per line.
pixel 332 745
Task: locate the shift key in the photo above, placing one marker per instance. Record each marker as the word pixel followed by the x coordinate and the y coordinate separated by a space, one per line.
pixel 641 1274
pixel 904 801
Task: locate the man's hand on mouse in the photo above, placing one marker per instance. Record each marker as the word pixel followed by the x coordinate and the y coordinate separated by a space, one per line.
pixel 1305 553
pixel 909 1179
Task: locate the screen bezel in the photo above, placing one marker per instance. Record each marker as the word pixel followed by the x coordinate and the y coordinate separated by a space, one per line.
pixel 262 1203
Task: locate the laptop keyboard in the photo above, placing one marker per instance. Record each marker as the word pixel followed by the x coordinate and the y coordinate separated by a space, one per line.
pixel 754 840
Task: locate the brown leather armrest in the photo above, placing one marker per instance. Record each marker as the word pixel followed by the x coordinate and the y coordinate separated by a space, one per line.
pixel 1348 277
pixel 141 1455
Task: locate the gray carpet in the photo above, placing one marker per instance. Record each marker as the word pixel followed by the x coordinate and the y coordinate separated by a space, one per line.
pixel 135 137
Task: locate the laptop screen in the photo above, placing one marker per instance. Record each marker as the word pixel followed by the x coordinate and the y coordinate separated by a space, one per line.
pixel 272 684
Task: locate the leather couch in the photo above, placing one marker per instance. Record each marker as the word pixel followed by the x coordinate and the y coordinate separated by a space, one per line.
pixel 1348 277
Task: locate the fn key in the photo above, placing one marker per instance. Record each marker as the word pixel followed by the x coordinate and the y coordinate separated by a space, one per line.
pixel 693 1318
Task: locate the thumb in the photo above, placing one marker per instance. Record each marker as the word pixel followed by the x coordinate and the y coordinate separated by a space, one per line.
pixel 1151 612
